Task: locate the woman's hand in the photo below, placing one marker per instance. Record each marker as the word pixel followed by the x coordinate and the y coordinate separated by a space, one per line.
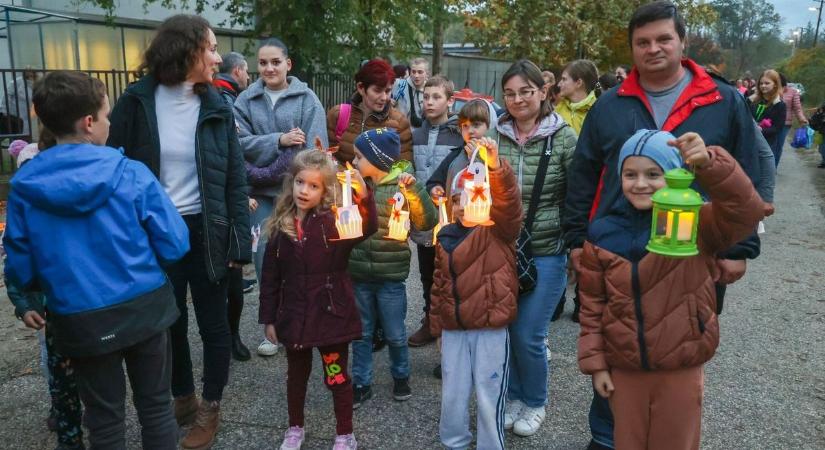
pixel 603 383
pixel 271 335
pixel 295 136
pixel 253 204
pixel 692 148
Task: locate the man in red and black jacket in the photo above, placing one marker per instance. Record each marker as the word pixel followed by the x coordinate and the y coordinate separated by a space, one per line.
pixel 664 91
pixel 232 76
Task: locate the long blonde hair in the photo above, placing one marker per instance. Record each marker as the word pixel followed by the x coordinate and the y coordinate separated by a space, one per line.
pixel 283 217
pixel 777 88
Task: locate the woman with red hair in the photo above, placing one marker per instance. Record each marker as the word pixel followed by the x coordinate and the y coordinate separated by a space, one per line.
pixel 370 107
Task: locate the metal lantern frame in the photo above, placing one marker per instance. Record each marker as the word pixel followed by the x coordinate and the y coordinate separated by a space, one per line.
pixel 675 221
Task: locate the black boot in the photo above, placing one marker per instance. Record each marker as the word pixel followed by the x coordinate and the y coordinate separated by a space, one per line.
pixel 239 351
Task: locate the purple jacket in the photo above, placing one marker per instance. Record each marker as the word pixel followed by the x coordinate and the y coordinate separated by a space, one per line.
pixel 272 174
pixel 306 290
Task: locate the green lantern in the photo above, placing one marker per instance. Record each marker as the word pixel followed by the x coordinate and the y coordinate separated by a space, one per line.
pixel 675 216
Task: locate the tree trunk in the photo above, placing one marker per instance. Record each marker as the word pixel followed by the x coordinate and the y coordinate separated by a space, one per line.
pixel 438 39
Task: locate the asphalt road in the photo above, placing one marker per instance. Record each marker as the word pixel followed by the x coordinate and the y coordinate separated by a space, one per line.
pixel 765 389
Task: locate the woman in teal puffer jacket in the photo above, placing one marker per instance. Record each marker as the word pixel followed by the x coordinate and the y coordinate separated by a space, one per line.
pixel 524 133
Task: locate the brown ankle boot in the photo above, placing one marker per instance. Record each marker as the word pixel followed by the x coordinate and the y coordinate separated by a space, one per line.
pixel 202 434
pixel 186 408
pixel 421 337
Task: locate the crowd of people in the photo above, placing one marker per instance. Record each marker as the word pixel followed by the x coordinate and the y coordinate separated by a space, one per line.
pixel 194 174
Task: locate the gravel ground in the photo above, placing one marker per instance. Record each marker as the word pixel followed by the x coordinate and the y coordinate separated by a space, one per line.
pixel 765 389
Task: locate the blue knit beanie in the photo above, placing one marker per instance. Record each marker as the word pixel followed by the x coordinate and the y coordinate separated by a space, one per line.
pixel 381 147
pixel 651 144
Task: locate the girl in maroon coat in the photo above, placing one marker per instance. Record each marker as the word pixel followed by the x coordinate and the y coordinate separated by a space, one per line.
pixel 306 294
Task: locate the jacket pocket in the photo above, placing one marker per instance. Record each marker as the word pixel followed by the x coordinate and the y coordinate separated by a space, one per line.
pixel 219 238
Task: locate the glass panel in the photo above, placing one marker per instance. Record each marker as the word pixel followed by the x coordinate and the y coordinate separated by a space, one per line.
pixel 136 41
pixel 685 226
pixel 662 223
pixel 25 39
pixel 58 46
pixel 99 47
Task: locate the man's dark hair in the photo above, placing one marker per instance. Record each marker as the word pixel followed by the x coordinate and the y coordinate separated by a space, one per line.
pixel 230 61
pixel 176 48
pixel 653 12
pixel 61 98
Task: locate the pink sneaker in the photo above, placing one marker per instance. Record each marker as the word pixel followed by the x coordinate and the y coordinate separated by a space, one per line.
pixel 345 442
pixel 293 438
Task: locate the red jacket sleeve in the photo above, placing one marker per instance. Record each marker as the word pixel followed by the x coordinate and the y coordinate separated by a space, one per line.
pixel 506 210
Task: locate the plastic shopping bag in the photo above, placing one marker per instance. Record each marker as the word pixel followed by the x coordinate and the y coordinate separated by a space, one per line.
pixel 800 138
pixel 811 133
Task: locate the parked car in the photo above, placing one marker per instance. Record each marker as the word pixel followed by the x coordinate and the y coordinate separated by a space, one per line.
pixel 463 96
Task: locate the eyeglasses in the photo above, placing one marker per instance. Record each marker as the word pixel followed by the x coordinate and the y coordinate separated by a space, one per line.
pixel 525 94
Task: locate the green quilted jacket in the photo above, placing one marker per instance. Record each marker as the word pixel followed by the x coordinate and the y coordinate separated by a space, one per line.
pixel 380 259
pixel 547 235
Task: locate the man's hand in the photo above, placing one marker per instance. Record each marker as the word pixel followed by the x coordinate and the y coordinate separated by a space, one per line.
pixel 603 383
pixel 33 320
pixel 731 270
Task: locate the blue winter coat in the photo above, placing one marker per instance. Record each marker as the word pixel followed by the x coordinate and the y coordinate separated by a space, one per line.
pixel 91 228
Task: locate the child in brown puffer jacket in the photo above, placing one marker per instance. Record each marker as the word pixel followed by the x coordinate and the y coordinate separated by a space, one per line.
pixel 474 298
pixel 648 322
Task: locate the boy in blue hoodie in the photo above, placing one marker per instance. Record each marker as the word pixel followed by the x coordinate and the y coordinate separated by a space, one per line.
pixel 90 228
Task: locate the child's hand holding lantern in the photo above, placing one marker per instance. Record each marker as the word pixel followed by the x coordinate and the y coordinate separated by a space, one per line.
pixel 356 180
pixel 405 179
pixel 491 155
pixel 692 148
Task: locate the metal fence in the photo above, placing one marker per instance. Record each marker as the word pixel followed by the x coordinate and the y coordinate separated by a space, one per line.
pixel 17 119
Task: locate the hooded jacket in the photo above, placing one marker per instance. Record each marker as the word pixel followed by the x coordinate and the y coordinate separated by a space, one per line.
pixel 708 106
pixel 261 124
pixel 643 311
pixel 91 228
pixel 221 174
pixel 227 86
pixel 547 238
pixel 378 258
pixel 431 144
pixel 306 291
pixel 389 118
pixel 475 284
pixel 574 113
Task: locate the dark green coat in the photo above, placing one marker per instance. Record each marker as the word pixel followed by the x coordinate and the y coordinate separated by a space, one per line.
pixel 379 259
pixel 547 234
pixel 221 172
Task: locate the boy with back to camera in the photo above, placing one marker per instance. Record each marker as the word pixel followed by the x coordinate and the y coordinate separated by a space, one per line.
pixel 91 229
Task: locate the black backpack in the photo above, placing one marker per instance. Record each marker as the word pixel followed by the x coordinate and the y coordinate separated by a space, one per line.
pixel 817 120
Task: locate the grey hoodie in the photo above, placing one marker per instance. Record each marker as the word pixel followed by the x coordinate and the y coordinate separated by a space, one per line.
pixel 260 126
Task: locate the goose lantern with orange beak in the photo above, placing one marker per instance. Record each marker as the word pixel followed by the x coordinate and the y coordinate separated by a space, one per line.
pixel 675 219
pixel 399 223
pixel 475 198
pixel 347 218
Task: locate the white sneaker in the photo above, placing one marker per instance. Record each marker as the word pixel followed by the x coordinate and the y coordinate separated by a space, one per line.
pixel 345 442
pixel 293 438
pixel 267 348
pixel 529 422
pixel 512 412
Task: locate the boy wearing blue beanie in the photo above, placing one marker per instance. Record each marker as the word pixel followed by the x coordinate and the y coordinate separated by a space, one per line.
pixel 379 266
pixel 648 322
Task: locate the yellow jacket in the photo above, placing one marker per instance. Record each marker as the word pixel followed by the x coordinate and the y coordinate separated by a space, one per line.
pixel 574 113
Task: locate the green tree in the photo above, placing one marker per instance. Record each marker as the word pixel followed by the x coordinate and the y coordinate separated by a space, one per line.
pixel 743 28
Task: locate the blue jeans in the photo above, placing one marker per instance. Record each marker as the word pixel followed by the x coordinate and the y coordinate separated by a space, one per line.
pixel 528 358
pixel 259 217
pixel 387 302
pixel 822 151
pixel 601 421
pixel 780 144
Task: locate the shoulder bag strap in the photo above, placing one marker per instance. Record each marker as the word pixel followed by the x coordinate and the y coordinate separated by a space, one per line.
pixel 344 113
pixel 538 185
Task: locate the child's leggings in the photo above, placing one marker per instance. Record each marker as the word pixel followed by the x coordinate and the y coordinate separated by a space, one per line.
pixel 335 376
pixel 659 409
pixel 65 398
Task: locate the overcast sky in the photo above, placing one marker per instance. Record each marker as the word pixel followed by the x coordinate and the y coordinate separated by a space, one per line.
pixel 796 13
